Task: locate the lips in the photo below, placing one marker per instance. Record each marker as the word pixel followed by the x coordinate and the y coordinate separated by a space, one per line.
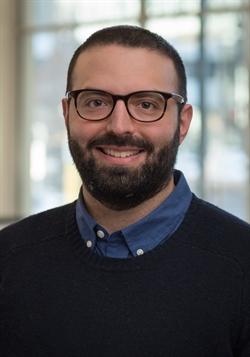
pixel 120 146
pixel 122 154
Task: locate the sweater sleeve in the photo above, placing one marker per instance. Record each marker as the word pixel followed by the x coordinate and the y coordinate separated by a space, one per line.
pixel 244 339
pixel 246 351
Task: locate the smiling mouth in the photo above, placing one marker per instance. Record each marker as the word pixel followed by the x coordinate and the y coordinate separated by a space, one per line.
pixel 116 153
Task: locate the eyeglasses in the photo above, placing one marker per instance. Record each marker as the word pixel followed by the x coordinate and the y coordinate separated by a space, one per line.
pixel 143 106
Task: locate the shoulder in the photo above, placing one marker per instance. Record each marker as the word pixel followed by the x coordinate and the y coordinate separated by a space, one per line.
pixel 211 228
pixel 36 228
pixel 216 217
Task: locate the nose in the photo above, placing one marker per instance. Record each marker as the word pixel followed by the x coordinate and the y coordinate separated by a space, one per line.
pixel 120 122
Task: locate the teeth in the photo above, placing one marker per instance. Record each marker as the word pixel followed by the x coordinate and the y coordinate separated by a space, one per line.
pixel 120 153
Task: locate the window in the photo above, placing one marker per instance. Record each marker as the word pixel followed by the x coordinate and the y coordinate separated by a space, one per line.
pixel 213 40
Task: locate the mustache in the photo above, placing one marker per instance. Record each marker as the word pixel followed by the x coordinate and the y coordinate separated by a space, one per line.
pixel 125 140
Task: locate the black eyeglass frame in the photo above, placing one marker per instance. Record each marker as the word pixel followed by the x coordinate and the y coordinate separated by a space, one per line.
pixel 74 94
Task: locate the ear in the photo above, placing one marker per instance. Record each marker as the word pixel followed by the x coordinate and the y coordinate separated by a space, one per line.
pixel 65 108
pixel 185 121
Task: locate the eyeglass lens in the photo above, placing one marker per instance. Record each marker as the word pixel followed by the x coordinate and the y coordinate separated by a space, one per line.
pixel 145 106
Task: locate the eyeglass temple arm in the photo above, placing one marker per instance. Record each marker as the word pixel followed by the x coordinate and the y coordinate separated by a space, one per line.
pixel 178 98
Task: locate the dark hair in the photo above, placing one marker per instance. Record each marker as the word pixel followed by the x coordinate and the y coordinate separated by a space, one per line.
pixel 137 37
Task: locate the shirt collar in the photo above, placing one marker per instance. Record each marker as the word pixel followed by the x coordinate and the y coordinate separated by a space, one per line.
pixel 163 221
pixel 151 230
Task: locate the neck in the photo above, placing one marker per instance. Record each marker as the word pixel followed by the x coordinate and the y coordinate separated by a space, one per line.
pixel 113 220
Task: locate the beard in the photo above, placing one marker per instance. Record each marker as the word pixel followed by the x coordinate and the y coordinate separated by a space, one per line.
pixel 119 187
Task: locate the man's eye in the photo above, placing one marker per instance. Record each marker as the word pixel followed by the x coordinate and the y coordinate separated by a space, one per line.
pixel 146 105
pixel 95 103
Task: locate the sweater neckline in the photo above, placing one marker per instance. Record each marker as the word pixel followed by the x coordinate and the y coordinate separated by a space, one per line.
pixel 149 259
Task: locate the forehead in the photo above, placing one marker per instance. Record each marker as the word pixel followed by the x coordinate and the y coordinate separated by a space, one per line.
pixel 111 66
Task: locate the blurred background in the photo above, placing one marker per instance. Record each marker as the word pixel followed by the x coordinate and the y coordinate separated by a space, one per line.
pixel 38 39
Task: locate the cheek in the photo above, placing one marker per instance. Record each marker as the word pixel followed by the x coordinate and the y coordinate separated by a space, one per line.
pixel 76 129
pixel 160 135
pixel 82 131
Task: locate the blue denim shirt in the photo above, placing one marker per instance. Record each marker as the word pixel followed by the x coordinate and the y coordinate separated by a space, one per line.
pixel 141 236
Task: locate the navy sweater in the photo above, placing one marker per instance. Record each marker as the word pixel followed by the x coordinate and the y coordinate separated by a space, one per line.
pixel 189 297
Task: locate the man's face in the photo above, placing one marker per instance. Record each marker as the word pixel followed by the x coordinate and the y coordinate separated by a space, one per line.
pixel 123 162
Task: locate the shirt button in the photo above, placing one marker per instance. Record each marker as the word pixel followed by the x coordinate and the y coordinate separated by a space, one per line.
pixel 139 252
pixel 100 234
pixel 89 244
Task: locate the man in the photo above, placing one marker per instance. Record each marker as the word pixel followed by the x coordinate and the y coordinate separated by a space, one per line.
pixel 138 266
